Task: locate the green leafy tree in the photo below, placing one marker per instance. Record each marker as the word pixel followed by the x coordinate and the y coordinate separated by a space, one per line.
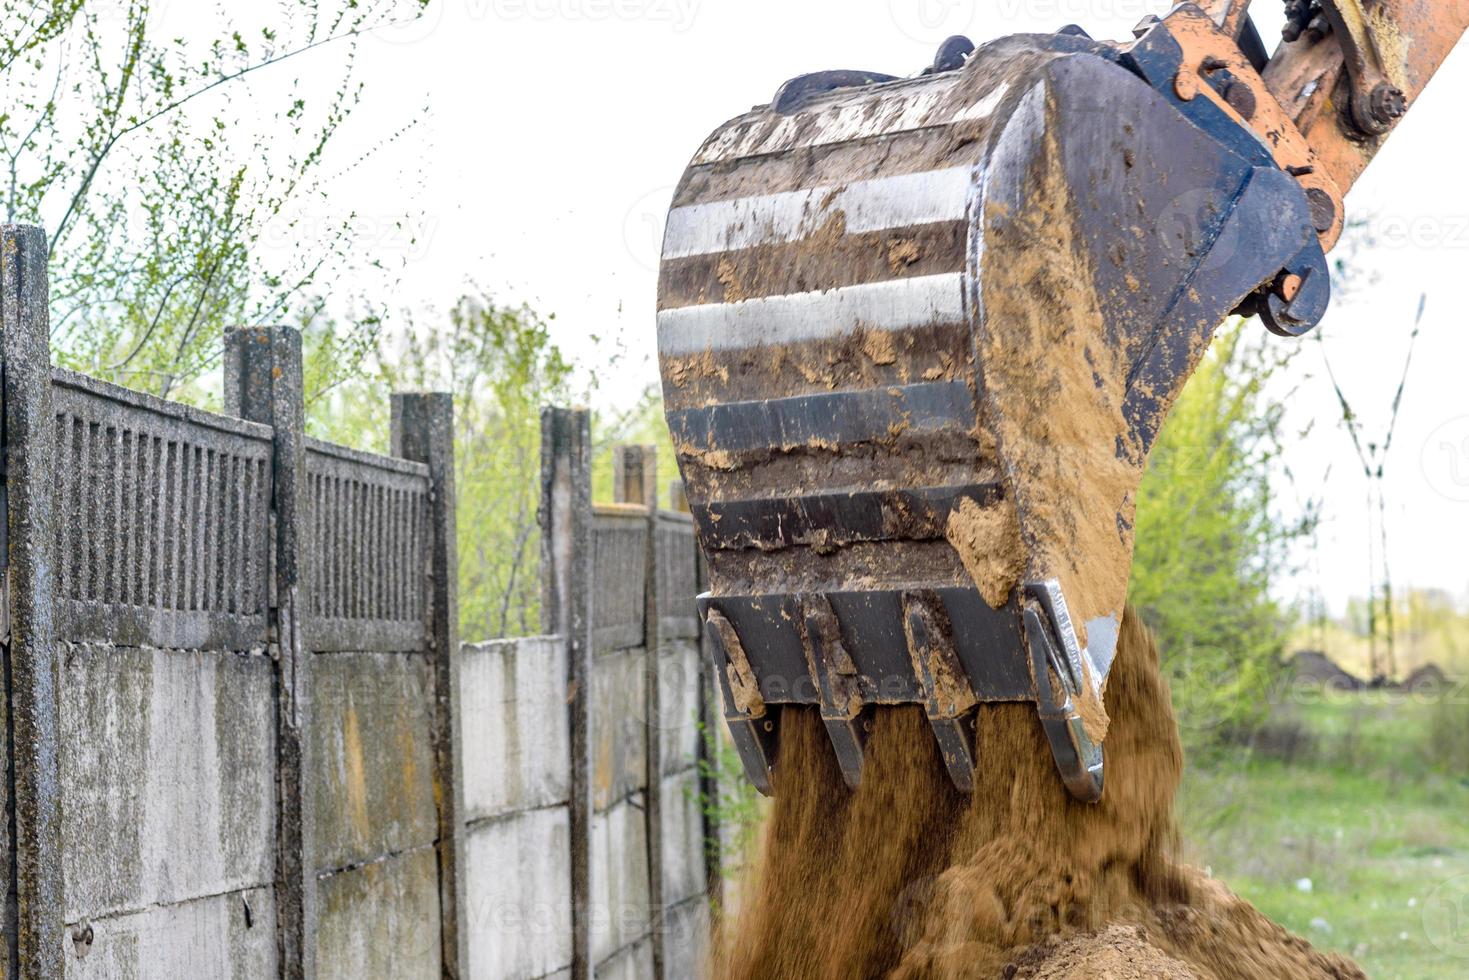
pixel 502 367
pixel 1211 542
pixel 175 204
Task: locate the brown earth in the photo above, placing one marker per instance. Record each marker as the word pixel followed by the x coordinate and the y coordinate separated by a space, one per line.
pixel 906 879
pixel 988 542
pixel 1115 953
pixel 1315 666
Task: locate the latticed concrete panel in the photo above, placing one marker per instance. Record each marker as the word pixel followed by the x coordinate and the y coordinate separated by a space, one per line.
pixel 163 520
pixel 369 544
pixel 678 615
pixel 619 543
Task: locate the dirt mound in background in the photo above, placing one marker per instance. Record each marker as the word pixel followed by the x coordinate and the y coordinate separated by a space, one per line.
pixel 906 879
pixel 1313 665
pixel 1429 677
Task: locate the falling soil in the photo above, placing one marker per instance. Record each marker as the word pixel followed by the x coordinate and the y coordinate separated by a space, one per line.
pixel 906 879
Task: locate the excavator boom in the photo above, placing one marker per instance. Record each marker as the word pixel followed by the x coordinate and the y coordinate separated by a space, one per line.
pixel 918 335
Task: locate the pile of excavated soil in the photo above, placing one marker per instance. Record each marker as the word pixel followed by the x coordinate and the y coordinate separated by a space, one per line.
pixel 1317 667
pixel 1115 953
pixel 906 879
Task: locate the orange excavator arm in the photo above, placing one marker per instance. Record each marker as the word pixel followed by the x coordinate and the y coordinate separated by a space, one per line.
pixel 1347 70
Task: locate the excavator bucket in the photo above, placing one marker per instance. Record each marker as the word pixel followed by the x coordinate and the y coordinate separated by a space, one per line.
pixel 916 338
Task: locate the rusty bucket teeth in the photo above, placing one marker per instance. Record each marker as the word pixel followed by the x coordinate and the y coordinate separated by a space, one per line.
pixel 838 685
pixel 948 697
pixel 751 722
pixel 849 742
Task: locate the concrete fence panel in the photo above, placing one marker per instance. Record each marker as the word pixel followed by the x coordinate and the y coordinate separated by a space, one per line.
pixel 242 736
pixel 168 756
pixel 517 784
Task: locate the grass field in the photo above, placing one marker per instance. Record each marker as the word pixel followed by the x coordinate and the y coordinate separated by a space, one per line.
pixel 1348 823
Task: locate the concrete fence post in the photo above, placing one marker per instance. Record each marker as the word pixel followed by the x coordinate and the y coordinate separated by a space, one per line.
pixel 631 480
pixel 35 902
pixel 423 431
pixel 678 498
pixel 263 383
pixel 635 481
pixel 566 610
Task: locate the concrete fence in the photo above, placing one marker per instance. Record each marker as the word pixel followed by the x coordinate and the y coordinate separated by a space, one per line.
pixel 619 583
pixel 243 739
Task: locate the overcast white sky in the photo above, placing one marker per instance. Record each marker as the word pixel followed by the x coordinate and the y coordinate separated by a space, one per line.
pixel 556 129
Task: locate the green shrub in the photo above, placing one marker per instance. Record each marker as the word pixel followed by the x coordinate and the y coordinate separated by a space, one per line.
pixel 1210 543
pixel 1446 739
